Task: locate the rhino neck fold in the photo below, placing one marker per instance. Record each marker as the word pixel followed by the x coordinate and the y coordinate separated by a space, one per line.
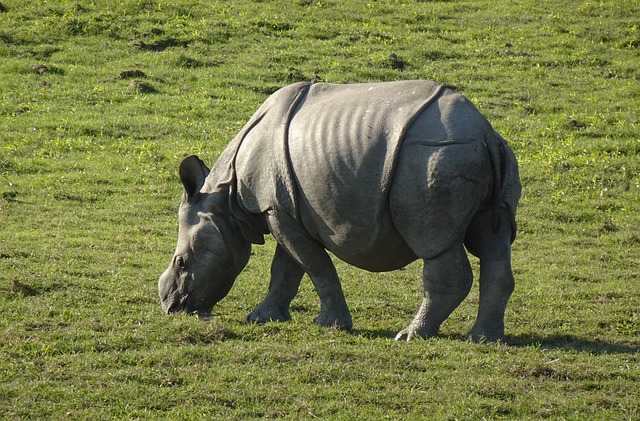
pixel 222 199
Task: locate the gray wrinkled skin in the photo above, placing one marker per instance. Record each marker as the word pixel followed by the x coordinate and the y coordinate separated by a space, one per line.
pixel 378 174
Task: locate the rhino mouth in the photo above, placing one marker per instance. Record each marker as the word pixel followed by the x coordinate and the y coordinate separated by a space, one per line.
pixel 172 304
pixel 175 302
pixel 181 304
pixel 181 307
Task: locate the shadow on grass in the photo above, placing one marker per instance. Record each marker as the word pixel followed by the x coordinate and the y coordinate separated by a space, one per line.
pixel 373 333
pixel 572 343
pixel 562 342
pixel 391 334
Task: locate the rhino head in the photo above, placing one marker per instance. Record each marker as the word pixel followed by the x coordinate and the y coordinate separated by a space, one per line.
pixel 211 251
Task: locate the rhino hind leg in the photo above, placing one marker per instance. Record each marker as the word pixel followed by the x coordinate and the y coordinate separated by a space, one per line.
pixel 496 276
pixel 447 280
pixel 286 275
pixel 313 259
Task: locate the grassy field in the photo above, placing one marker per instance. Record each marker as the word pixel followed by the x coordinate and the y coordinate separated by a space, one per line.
pixel 98 103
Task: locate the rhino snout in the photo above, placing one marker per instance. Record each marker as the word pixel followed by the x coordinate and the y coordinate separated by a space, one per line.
pixel 173 303
pixel 170 298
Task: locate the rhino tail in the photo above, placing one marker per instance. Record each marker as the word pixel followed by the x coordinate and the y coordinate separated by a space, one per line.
pixel 506 185
pixel 495 146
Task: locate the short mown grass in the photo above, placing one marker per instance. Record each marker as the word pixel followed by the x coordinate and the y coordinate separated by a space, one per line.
pixel 100 101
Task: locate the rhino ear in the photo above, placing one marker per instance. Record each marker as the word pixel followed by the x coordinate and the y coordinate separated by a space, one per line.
pixel 193 172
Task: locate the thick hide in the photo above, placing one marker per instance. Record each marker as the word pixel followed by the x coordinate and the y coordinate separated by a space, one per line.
pixel 322 146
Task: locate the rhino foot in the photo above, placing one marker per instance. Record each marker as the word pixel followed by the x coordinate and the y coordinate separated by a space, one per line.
pixel 339 319
pixel 414 331
pixel 407 335
pixel 480 334
pixel 269 313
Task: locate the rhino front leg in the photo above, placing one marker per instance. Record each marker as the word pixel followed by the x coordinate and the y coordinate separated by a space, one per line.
pixel 447 280
pixel 311 256
pixel 286 275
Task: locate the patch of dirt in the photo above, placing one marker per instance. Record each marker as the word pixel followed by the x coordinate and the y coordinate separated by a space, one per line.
pixel 130 74
pixel 396 62
pixel 157 46
pixel 296 75
pixel 603 299
pixel 42 69
pixel 41 53
pixel 22 289
pixel 188 62
pixel 141 87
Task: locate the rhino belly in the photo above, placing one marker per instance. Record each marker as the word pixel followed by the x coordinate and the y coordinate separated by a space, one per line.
pixel 352 237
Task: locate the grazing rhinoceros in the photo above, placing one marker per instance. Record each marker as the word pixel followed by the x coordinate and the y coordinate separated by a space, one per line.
pixel 380 174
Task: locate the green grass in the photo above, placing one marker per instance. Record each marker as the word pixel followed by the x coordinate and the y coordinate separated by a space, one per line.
pixel 99 102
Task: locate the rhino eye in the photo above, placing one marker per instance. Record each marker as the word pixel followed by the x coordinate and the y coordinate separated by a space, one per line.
pixel 180 263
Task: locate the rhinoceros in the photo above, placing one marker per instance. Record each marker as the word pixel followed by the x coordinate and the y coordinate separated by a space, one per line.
pixel 379 174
